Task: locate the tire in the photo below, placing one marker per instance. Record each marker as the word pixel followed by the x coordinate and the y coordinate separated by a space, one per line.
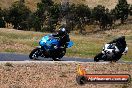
pixel 56 59
pixel 81 80
pixel 113 61
pixel 98 57
pixel 116 58
pixel 35 53
pixel 61 54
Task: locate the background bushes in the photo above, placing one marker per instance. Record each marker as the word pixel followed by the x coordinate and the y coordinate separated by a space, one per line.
pixel 50 15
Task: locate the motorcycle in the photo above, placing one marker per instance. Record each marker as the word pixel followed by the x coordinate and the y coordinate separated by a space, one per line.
pixel 49 47
pixel 110 53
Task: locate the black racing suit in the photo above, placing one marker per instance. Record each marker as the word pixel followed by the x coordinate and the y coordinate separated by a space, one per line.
pixel 63 39
pixel 121 45
pixel 63 44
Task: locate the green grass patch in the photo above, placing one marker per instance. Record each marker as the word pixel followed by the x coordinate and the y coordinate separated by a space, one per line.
pixel 35 43
pixel 129 37
pixel 10 50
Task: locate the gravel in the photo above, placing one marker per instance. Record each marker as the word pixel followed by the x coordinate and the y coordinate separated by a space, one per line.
pixel 42 74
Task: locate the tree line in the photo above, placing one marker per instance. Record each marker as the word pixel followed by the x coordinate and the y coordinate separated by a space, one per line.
pixel 49 15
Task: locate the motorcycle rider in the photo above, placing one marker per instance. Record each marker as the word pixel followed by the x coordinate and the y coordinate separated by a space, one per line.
pixel 121 45
pixel 63 36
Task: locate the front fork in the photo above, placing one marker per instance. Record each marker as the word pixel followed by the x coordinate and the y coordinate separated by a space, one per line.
pixel 41 53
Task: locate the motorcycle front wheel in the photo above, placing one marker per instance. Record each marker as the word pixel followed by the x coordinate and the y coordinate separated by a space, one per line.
pixel 35 53
pixel 98 57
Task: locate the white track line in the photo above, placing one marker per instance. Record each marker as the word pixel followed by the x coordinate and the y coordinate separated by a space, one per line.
pixel 48 62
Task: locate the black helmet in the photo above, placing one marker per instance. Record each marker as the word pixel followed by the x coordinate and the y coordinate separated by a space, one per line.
pixel 122 37
pixel 62 31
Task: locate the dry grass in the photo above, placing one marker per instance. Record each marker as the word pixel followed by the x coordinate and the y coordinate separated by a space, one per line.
pixel 57 75
pixel 17 41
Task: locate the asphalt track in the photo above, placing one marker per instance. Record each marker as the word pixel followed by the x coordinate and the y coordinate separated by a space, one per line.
pixel 22 57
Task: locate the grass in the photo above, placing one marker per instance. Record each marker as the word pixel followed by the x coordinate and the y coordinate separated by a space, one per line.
pixel 84 46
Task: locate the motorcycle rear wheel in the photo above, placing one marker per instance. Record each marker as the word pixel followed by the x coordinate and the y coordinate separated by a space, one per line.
pixel 61 54
pixel 98 57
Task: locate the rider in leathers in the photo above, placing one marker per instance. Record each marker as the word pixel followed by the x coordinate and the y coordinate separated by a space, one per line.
pixel 121 45
pixel 63 37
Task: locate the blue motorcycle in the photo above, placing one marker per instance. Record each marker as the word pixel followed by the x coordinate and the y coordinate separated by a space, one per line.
pixel 49 48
